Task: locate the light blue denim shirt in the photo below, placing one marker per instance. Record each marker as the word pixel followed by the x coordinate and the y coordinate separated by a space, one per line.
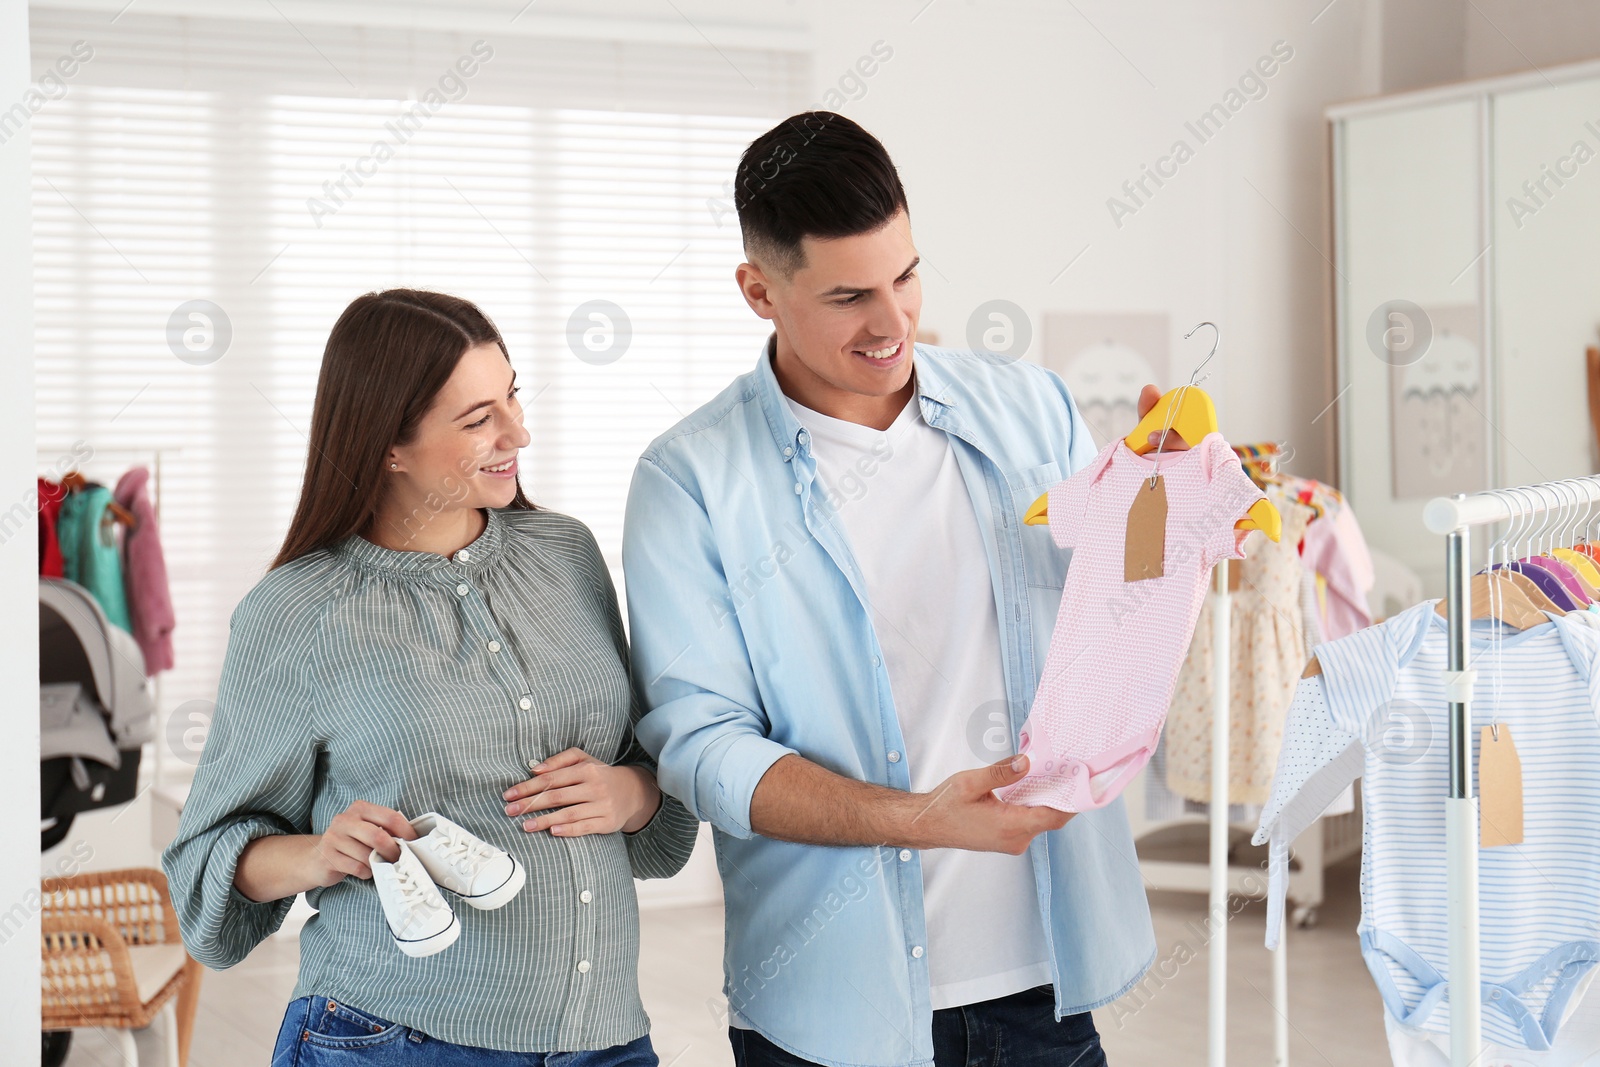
pixel 751 638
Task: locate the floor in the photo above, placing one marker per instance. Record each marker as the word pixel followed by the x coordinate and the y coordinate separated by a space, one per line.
pixel 1334 1013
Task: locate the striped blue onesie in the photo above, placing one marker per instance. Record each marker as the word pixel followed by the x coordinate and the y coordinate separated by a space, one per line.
pixel 1379 712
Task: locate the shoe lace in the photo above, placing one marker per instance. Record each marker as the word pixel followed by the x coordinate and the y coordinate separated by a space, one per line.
pixel 413 894
pixel 462 852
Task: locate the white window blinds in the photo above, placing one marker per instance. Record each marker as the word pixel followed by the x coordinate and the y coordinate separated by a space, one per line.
pixel 278 171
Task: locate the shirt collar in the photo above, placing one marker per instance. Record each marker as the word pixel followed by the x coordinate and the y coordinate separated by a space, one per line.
pixel 478 552
pixel 932 384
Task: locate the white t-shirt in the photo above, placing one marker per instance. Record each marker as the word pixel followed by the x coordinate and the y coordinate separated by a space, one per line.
pixel 903 507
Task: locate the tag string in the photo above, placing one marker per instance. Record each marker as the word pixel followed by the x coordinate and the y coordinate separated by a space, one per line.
pixel 1177 402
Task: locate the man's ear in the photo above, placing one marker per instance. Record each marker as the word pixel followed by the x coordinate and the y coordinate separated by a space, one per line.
pixel 757 291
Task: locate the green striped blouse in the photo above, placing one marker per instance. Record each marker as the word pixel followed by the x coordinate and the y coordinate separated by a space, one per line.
pixel 426 682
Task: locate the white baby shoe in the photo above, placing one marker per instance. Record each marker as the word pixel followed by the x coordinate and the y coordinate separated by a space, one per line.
pixel 482 875
pixel 420 921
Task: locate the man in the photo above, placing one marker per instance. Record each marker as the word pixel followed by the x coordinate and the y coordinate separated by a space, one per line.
pixel 837 617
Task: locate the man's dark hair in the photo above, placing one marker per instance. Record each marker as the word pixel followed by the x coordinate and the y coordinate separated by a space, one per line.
pixel 815 174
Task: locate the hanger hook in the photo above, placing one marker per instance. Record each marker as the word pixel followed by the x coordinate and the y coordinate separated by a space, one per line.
pixel 1512 523
pixel 1589 519
pixel 1569 514
pixel 1523 525
pixel 1538 535
pixel 1195 378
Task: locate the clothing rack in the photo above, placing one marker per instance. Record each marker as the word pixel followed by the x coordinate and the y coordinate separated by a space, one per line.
pixel 62 459
pixel 1454 517
pixel 1327 841
pixel 1217 897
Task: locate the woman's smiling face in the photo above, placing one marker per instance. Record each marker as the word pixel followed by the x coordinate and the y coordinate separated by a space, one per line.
pixel 465 449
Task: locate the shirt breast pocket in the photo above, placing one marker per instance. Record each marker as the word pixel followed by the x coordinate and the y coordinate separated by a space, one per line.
pixel 1044 564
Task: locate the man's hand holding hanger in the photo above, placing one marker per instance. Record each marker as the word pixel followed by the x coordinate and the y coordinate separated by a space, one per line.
pixel 1174 442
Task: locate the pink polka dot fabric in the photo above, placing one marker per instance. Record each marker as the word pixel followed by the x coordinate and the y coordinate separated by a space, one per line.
pixel 1118 646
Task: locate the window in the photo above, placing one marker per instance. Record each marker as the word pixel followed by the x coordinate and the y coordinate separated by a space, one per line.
pixel 275 172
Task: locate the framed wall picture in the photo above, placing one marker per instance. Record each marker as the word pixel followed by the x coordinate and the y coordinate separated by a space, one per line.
pixel 1105 360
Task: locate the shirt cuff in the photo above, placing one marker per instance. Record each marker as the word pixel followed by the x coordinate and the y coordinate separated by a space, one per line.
pixel 738 772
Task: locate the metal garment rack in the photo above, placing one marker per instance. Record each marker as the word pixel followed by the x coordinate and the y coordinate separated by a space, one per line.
pixel 1217 900
pixel 1454 518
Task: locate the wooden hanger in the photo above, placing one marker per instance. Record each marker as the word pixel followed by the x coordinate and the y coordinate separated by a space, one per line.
pixel 1538 597
pixel 1580 563
pixel 1495 595
pixel 75 482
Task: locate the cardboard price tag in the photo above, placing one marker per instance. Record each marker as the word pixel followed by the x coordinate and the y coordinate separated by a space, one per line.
pixel 1146 541
pixel 1499 788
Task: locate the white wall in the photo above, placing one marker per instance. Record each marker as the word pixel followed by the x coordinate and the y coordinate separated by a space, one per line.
pixel 1506 36
pixel 1014 121
pixel 1012 125
pixel 19 570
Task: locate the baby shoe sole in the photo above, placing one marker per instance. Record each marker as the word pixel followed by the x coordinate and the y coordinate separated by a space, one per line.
pixel 499 896
pixel 427 946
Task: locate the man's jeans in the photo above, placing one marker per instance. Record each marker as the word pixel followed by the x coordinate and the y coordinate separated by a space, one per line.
pixel 318 1032
pixel 1015 1031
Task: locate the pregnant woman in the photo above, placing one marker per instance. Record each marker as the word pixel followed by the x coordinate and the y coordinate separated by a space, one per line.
pixel 432 668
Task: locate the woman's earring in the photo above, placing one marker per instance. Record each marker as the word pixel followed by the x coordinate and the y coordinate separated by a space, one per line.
pixel 394 466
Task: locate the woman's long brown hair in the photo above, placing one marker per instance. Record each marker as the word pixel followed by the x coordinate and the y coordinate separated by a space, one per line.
pixel 386 360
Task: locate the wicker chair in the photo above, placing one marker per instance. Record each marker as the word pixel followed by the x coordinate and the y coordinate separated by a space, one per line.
pixel 113 958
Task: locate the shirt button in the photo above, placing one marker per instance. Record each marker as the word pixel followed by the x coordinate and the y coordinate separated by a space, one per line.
pixel 788 450
pixel 586 896
pixel 797 489
pixel 583 966
pixel 905 854
pixel 524 703
pixel 494 646
pixel 916 951
pixel 464 555
pixel 894 757
pixel 461 590
pixel 532 763
pixel 876 661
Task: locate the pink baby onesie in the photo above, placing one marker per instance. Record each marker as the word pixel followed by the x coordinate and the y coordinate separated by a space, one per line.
pixel 1118 645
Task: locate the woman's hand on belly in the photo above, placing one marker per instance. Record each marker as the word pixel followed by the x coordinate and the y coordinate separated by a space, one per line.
pixel 577 794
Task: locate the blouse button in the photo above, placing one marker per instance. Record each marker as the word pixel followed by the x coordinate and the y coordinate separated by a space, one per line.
pixel 583 966
pixel 894 757
pixel 464 555
pixel 797 489
pixel 461 590
pixel 494 646
pixel 905 854
pixel 916 951
pixel 532 763
pixel 586 896
pixel 524 703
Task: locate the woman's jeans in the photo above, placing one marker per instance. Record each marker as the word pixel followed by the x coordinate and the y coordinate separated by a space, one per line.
pixel 318 1032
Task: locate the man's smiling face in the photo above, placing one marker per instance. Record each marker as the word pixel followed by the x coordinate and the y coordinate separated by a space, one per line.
pixel 845 319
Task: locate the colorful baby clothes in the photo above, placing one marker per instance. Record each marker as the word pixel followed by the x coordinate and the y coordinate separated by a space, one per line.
pixel 1577 1043
pixel 1336 550
pixel 1385 719
pixel 145 577
pixel 1114 656
pixel 1267 655
pixel 51 563
pixel 90 550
